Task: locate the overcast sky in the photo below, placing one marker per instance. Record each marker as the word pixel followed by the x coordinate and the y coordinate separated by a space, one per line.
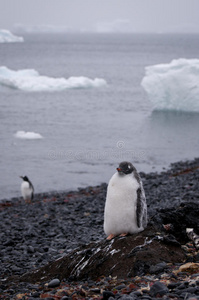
pixel 103 15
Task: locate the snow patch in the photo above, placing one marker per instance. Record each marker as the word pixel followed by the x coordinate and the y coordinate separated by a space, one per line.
pixel 173 86
pixel 30 80
pixel 114 251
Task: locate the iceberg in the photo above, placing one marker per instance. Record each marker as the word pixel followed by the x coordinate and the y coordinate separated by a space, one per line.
pixel 7 37
pixel 28 135
pixel 118 25
pixel 173 86
pixel 31 81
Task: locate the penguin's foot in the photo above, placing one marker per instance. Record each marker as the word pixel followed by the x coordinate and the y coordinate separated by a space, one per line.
pixel 124 234
pixel 28 201
pixel 110 237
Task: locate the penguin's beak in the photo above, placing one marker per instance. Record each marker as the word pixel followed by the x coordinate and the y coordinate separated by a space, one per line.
pixel 118 169
pixel 21 177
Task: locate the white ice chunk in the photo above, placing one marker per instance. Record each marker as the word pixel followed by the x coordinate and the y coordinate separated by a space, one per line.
pixel 7 37
pixel 28 135
pixel 30 80
pixel 173 86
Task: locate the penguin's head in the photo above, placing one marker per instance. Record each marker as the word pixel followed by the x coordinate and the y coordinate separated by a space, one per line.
pixel 125 168
pixel 25 178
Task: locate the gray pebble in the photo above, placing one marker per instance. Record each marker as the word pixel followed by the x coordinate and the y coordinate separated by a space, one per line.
pixel 54 283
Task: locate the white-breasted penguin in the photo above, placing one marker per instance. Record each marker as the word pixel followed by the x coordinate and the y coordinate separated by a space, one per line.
pixel 125 208
pixel 27 189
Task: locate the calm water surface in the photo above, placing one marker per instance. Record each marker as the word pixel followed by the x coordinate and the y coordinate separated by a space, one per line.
pixel 87 132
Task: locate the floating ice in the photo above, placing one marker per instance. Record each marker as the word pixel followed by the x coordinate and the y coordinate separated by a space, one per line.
pixel 7 37
pixel 31 81
pixel 173 86
pixel 28 135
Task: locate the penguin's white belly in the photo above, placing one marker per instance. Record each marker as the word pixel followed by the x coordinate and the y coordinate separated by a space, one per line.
pixel 121 205
pixel 26 190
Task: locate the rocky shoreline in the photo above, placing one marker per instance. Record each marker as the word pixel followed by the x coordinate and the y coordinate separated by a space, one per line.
pixel 57 226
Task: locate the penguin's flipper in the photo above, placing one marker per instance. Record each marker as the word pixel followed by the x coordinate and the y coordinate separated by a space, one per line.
pixel 139 207
pixel 32 187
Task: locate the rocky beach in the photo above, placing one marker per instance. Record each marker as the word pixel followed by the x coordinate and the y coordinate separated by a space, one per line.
pixel 55 247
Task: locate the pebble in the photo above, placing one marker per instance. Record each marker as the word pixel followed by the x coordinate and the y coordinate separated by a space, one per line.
pixel 33 234
pixel 158 268
pixel 30 249
pixel 158 288
pixel 54 283
pixel 107 294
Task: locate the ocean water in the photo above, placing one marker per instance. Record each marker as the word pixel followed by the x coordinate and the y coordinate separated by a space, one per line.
pixel 87 131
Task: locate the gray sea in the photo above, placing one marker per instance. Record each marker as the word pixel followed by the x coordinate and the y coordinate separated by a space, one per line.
pixel 86 131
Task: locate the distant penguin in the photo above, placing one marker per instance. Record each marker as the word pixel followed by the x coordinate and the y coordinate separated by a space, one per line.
pixel 27 189
pixel 125 208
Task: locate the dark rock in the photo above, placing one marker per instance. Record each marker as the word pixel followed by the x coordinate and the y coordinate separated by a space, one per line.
pixel 158 268
pixel 173 285
pixel 36 295
pixel 146 297
pixel 9 243
pixel 119 287
pixel 127 297
pixel 182 217
pixel 107 295
pixel 30 249
pixel 172 296
pixel 158 288
pixel 170 239
pixel 46 248
pixel 183 286
pixel 136 293
pixel 191 290
pixel 54 283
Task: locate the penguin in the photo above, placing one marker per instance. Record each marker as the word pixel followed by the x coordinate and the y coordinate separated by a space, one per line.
pixel 125 207
pixel 27 189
